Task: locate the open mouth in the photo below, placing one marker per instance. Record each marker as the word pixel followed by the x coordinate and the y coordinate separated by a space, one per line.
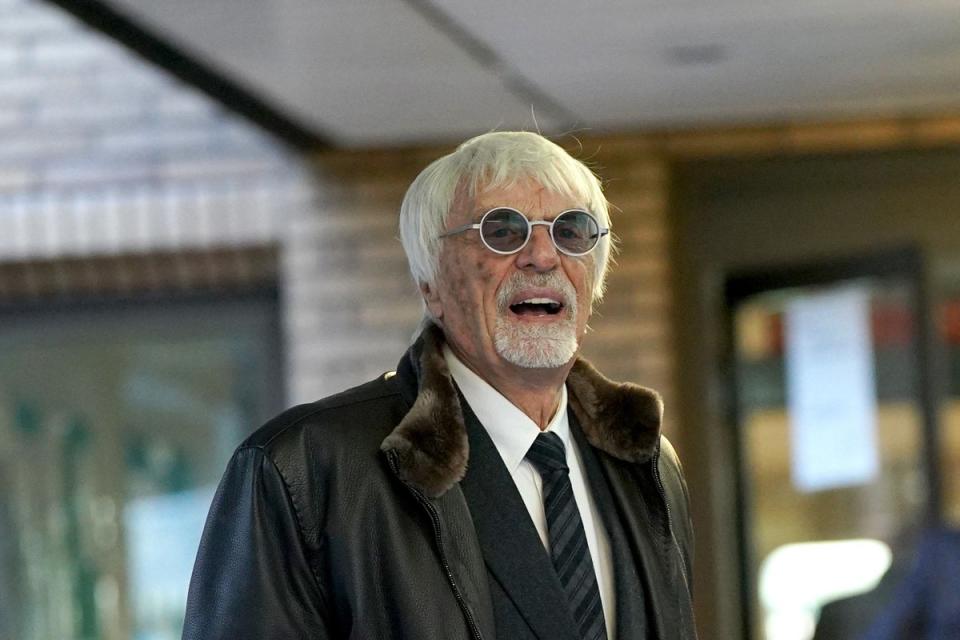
pixel 536 307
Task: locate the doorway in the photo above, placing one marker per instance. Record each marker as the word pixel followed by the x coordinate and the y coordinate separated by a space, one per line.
pixel 830 401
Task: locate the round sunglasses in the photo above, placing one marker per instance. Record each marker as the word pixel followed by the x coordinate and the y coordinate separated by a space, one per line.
pixel 505 230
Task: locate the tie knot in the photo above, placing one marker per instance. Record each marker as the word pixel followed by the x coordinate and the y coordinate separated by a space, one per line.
pixel 547 453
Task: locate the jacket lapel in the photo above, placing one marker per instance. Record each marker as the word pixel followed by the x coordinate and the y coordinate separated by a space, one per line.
pixel 509 542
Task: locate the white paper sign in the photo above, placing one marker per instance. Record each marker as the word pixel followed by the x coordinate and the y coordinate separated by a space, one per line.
pixel 831 392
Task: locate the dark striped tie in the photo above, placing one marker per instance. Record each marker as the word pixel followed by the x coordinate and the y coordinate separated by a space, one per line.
pixel 568 543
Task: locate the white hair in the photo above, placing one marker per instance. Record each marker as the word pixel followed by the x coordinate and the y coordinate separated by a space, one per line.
pixel 494 160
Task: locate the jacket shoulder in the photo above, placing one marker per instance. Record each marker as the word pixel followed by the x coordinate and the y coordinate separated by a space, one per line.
pixel 671 474
pixel 360 404
pixel 669 460
pixel 313 447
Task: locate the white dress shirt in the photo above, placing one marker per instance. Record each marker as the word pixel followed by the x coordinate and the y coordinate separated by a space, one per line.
pixel 513 433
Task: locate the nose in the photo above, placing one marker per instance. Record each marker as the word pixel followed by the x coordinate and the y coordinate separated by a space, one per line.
pixel 539 254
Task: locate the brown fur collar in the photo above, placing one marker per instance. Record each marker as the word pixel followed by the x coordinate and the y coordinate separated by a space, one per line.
pixel 430 442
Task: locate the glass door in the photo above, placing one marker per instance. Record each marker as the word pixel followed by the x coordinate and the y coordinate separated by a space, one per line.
pixel 833 421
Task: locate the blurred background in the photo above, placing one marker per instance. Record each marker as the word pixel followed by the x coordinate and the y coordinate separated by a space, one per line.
pixel 198 209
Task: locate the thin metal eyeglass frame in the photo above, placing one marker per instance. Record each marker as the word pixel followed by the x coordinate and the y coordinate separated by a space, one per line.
pixel 601 231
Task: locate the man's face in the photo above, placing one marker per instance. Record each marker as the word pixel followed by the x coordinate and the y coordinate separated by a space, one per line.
pixel 528 309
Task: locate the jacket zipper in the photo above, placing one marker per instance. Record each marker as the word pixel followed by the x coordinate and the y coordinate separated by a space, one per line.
pixel 435 520
pixel 673 538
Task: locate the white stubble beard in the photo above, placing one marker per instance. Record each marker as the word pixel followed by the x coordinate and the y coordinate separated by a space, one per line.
pixel 536 346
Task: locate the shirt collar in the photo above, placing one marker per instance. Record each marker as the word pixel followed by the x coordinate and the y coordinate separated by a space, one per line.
pixel 511 430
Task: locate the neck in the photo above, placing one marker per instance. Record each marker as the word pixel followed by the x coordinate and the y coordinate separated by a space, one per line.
pixel 536 392
pixel 540 405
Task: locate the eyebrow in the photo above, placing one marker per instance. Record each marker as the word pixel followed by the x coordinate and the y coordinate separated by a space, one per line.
pixel 476 218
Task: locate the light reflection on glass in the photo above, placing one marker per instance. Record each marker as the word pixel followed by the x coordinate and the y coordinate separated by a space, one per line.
pixel 114 431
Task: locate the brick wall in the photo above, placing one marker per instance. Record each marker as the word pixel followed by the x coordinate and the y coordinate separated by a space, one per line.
pixel 351 305
pixel 632 337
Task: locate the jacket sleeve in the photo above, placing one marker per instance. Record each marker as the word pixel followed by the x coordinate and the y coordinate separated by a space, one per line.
pixel 252 578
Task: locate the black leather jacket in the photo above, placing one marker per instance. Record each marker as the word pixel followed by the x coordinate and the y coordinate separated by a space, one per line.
pixel 344 518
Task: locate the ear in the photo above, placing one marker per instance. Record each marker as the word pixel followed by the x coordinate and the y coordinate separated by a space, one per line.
pixel 432 299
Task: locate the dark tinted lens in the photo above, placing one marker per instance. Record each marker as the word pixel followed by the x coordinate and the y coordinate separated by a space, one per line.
pixel 504 230
pixel 576 231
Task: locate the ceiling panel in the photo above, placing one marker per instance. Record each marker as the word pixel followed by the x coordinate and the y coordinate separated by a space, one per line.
pixel 383 72
pixel 695 63
pixel 364 73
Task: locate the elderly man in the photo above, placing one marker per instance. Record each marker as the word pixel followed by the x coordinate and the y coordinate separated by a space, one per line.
pixel 495 485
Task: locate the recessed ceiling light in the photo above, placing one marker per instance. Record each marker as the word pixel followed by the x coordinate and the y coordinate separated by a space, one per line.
pixel 696 54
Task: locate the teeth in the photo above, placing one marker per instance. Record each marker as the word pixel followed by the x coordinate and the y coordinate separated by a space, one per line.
pixel 538 301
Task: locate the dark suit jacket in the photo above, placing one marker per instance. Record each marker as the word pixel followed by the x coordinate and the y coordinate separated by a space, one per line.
pixel 528 598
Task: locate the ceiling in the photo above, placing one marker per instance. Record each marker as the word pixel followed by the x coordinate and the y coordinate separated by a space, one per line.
pixel 361 73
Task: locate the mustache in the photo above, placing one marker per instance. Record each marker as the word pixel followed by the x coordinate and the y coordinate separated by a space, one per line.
pixel 550 280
